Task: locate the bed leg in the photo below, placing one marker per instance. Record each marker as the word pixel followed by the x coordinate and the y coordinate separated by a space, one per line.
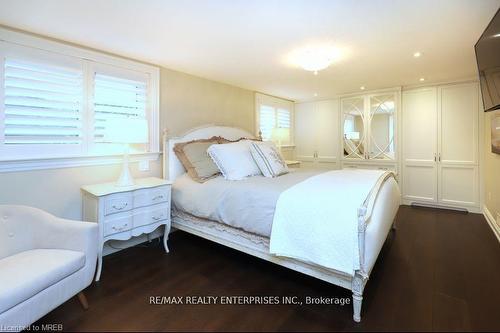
pixel 357 300
pixel 358 285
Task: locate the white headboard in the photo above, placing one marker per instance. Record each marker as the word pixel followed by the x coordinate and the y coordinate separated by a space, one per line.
pixel 172 167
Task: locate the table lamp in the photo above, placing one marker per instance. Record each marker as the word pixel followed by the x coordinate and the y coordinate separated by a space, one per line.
pixel 280 134
pixel 126 131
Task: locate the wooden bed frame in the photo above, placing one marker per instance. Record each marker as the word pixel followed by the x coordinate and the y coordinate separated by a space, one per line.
pixel 172 168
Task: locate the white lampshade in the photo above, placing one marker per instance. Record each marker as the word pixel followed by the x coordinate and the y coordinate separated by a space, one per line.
pixel 281 134
pixel 126 130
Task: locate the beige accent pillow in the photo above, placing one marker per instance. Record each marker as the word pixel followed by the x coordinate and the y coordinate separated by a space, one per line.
pixel 195 159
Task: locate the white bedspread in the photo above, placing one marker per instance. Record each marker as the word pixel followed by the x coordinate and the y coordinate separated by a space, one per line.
pixel 245 204
pixel 316 220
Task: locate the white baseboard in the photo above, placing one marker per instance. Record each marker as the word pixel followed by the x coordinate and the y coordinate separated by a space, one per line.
pixel 491 221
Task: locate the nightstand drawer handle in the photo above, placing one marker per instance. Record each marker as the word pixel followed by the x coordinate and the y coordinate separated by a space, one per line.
pixel 157 218
pixel 120 229
pixel 158 197
pixel 120 208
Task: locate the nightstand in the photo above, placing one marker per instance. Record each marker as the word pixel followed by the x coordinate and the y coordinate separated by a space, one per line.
pixel 126 212
pixel 292 164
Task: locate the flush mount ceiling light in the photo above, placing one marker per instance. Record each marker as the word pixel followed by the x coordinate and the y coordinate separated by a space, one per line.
pixel 417 54
pixel 422 79
pixel 362 87
pixel 314 58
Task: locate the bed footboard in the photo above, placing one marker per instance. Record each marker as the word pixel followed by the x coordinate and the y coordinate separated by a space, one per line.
pixel 372 234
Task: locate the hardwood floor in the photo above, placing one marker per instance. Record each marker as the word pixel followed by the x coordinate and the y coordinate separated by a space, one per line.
pixel 438 272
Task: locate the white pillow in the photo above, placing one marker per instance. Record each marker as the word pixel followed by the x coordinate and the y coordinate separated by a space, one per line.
pixel 269 159
pixel 234 160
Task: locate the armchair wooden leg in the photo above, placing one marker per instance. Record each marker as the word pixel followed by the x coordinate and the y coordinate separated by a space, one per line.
pixel 83 300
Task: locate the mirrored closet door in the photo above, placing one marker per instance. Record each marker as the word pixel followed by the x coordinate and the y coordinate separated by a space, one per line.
pixel 382 127
pixel 369 127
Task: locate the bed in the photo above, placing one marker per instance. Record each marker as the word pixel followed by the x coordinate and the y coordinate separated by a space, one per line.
pixel 197 209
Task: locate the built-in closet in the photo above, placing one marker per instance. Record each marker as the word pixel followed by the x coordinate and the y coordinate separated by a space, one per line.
pixel 429 136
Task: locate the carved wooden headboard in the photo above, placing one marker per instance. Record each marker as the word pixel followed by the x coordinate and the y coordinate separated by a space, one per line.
pixel 172 167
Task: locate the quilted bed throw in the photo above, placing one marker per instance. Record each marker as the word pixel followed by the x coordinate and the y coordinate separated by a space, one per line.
pixel 316 220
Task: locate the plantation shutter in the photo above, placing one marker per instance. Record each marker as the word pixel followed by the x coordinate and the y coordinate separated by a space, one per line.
pixel 267 121
pixel 116 97
pixel 270 118
pixel 283 117
pixel 43 104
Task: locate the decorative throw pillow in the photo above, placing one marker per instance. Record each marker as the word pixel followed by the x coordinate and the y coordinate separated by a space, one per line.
pixel 194 157
pixel 234 160
pixel 268 158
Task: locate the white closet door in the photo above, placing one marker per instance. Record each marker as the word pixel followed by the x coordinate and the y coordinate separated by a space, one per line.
pixel 458 165
pixel 327 133
pixel 305 137
pixel 419 134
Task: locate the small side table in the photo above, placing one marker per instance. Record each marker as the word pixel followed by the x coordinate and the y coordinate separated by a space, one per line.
pixel 292 164
pixel 126 212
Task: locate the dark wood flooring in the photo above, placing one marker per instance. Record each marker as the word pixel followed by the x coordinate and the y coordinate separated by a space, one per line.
pixel 439 272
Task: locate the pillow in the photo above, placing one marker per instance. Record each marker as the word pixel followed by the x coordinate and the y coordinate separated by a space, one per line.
pixel 193 156
pixel 234 160
pixel 268 158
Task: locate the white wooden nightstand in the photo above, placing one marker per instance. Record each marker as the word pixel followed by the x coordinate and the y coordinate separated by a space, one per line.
pixel 126 212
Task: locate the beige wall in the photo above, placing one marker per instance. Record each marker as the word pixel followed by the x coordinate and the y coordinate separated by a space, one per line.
pixel 491 170
pixel 58 190
pixel 186 101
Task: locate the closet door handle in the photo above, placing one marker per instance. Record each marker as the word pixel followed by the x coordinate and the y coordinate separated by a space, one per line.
pixel 435 158
pixel 439 157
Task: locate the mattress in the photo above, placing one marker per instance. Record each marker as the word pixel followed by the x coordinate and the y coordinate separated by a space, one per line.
pixel 247 204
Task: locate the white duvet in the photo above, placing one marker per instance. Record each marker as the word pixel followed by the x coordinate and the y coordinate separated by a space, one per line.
pixel 317 220
pixel 247 204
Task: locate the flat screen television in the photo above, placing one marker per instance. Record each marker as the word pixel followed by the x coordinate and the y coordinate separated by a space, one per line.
pixel 488 63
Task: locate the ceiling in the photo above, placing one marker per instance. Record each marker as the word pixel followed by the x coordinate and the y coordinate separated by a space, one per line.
pixel 246 43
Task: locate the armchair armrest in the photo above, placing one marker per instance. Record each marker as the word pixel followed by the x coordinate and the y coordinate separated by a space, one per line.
pixel 71 235
pixel 67 234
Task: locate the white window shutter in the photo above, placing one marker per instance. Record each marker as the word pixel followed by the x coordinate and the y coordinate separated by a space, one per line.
pixel 267 121
pixel 116 97
pixel 283 118
pixel 43 104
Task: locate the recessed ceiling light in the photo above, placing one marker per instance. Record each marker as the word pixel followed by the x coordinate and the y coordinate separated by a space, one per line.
pixel 417 54
pixel 422 79
pixel 315 94
pixel 362 87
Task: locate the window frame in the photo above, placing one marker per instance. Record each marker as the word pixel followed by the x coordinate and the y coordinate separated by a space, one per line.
pixel 19 41
pixel 277 103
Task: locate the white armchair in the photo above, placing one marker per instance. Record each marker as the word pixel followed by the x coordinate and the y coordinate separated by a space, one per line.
pixel 44 261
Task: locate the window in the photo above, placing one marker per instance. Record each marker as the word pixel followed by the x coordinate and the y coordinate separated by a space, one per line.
pixel 43 104
pixel 117 94
pixel 274 113
pixel 55 99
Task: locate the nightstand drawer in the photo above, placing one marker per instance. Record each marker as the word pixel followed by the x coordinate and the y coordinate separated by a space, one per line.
pixel 118 225
pixel 152 215
pixel 118 203
pixel 148 197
